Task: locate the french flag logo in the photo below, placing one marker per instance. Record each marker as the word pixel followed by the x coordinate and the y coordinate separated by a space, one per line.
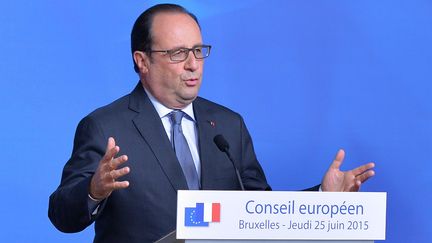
pixel 202 214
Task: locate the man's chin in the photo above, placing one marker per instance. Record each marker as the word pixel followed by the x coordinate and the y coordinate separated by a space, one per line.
pixel 187 99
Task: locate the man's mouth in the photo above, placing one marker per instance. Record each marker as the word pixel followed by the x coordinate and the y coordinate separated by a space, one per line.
pixel 191 81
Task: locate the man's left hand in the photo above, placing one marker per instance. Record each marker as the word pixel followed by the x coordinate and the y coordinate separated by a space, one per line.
pixel 345 181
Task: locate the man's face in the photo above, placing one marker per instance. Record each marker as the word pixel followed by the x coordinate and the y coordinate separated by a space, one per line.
pixel 174 84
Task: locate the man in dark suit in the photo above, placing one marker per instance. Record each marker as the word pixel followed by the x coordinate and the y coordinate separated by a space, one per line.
pixel 131 195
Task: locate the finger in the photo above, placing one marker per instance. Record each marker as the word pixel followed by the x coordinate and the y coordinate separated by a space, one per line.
pixel 105 163
pixel 115 174
pixel 338 159
pixel 361 169
pixel 365 176
pixel 118 161
pixel 119 185
pixel 110 144
pixel 111 151
pixel 356 186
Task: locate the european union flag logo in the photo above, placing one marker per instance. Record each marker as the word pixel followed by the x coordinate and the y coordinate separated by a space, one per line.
pixel 195 216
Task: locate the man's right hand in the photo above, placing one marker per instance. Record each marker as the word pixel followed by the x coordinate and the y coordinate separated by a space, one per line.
pixel 104 181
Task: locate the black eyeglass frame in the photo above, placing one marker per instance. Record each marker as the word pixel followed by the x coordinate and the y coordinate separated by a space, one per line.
pixel 187 50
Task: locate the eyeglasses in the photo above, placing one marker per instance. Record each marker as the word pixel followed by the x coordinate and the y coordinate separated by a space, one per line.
pixel 181 54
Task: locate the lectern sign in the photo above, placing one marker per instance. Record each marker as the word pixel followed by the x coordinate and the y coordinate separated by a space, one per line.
pixel 281 215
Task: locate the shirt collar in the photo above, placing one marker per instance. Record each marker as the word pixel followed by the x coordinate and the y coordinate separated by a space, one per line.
pixel 164 111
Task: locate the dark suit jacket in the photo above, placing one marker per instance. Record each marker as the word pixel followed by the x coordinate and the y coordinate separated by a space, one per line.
pixel 146 210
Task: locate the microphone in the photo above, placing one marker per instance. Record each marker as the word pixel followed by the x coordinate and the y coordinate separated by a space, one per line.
pixel 223 146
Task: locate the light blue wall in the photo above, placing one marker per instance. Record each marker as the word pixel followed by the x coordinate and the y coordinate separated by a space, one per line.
pixel 309 77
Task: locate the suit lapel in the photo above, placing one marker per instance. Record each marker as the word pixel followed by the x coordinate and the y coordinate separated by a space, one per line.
pixel 206 126
pixel 151 129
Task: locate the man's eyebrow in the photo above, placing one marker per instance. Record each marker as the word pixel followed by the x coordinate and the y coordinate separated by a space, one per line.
pixel 182 46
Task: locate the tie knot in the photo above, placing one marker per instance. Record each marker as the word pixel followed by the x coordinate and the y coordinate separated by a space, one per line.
pixel 176 116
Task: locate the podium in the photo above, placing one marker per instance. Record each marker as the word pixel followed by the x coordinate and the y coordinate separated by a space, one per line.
pixel 295 217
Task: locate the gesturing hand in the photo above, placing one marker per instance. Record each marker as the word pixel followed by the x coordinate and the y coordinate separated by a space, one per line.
pixel 104 180
pixel 345 181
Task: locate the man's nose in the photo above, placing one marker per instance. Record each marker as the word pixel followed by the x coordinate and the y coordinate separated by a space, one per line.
pixel 191 63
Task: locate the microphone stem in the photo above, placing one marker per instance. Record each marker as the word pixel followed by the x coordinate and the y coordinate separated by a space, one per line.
pixel 236 170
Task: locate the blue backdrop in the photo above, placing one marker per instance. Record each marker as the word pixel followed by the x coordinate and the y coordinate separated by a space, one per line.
pixel 309 77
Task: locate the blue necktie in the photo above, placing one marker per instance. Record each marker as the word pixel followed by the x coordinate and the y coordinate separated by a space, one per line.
pixel 182 150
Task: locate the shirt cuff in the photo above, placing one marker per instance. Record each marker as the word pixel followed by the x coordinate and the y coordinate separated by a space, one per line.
pixel 93 205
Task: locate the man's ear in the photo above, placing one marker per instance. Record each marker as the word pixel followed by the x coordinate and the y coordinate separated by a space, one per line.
pixel 141 60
